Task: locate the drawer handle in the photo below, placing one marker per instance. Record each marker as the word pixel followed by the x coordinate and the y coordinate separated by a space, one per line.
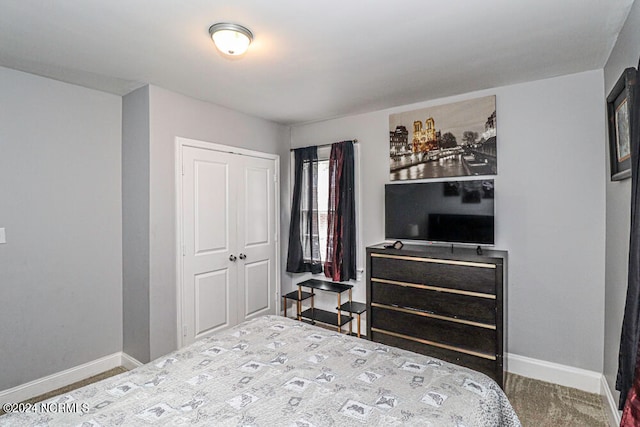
pixel 434 316
pixel 435 344
pixel 434 288
pixel 436 261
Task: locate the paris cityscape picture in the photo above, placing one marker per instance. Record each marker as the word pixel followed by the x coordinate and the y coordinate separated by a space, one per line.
pixel 456 139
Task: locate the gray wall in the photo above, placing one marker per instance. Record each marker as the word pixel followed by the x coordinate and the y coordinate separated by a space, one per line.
pixel 135 223
pixel 172 115
pixel 550 214
pixel 625 54
pixel 60 202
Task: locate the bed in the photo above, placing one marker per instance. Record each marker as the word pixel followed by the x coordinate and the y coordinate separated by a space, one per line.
pixel 274 371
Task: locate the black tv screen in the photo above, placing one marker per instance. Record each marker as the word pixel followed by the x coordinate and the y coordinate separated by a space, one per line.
pixel 448 212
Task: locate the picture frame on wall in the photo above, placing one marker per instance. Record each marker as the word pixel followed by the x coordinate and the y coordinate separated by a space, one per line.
pixel 450 140
pixel 620 105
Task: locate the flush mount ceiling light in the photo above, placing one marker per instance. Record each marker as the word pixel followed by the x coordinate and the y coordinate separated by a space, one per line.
pixel 231 39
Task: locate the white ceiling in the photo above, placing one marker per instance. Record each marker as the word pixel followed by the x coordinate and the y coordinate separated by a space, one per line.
pixel 309 60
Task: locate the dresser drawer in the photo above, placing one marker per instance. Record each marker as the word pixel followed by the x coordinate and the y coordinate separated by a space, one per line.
pixel 469 276
pixel 462 306
pixel 467 338
pixel 491 368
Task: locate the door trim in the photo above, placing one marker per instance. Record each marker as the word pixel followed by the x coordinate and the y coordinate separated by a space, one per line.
pixel 180 143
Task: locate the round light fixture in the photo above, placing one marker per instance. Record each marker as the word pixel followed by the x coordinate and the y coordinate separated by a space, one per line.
pixel 231 39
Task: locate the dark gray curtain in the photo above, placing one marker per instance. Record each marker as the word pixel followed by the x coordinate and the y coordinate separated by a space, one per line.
pixel 628 356
pixel 340 262
pixel 304 242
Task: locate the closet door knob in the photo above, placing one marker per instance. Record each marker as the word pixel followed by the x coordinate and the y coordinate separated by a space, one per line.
pixel 232 257
pixel 243 256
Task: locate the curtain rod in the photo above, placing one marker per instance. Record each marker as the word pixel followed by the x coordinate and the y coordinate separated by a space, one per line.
pixel 355 141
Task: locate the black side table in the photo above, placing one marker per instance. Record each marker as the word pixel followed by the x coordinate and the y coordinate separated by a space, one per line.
pixel 313 314
pixel 356 308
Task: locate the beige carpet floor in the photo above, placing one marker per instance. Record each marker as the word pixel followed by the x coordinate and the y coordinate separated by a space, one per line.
pixel 542 404
pixel 537 403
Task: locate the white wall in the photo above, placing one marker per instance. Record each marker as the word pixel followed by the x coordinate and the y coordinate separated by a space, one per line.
pixel 625 54
pixel 135 224
pixel 550 208
pixel 60 202
pixel 172 115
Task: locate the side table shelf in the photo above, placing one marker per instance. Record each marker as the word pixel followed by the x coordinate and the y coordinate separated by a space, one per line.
pixel 325 316
pixel 298 296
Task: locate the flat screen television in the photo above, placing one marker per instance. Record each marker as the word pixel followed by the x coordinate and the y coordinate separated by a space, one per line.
pixel 441 212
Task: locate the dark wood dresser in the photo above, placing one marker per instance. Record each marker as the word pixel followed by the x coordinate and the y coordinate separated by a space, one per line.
pixel 440 302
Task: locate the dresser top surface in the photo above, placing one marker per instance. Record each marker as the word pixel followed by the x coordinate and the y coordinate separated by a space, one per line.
pixel 443 252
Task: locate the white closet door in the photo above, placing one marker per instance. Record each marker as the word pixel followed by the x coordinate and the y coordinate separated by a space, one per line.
pixel 209 222
pixel 256 239
pixel 229 246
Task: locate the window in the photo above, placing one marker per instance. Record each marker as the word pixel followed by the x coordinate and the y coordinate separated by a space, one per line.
pixel 323 205
pixel 322 190
pixel 309 234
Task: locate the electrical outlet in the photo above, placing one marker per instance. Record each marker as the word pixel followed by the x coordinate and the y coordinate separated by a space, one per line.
pixel 3 236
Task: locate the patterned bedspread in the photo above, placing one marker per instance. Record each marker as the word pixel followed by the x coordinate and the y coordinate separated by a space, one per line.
pixel 274 371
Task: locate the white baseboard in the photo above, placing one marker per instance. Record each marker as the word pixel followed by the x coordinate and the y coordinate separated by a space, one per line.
pixel 69 376
pixel 556 373
pixel 568 376
pixel 129 362
pixel 610 403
